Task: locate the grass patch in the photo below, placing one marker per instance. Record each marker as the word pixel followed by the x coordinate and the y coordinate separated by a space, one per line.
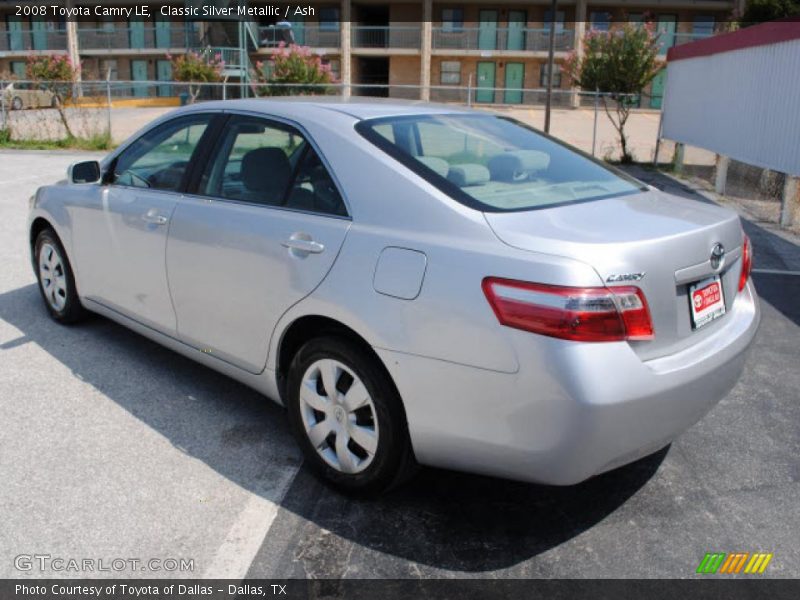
pixel 94 143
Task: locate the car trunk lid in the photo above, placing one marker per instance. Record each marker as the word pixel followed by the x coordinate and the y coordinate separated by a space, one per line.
pixel 666 238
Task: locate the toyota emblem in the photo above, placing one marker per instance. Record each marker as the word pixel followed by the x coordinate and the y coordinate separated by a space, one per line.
pixel 717 256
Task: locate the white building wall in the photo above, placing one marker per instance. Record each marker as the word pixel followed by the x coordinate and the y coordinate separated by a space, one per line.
pixel 743 103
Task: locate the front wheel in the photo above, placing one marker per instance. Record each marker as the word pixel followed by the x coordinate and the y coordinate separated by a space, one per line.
pixel 348 417
pixel 56 281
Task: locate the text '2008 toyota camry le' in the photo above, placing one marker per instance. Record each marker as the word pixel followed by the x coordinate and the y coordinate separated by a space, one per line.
pixel 416 284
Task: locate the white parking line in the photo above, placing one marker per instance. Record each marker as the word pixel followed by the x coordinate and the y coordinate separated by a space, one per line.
pixel 776 272
pixel 236 553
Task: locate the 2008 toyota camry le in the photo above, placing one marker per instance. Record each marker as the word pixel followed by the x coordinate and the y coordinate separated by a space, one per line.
pixel 417 284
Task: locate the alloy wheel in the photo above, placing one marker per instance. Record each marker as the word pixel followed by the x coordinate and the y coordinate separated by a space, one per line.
pixel 53 277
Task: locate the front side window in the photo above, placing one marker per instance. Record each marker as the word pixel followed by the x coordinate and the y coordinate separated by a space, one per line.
pixel 494 164
pixel 159 159
pixel 264 162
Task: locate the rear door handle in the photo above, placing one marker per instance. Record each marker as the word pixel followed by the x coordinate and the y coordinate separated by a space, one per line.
pixel 302 242
pixel 152 217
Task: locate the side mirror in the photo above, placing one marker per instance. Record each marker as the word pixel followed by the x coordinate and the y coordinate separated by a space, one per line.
pixel 84 172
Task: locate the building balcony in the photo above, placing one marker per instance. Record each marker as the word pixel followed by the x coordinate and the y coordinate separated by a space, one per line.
pixel 676 39
pixel 508 39
pixel 24 40
pixel 367 36
pixel 144 37
pixel 312 35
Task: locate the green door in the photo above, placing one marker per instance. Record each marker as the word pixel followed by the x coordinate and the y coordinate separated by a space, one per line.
pixel 515 74
pixel 15 34
pixel 485 92
pixel 657 89
pixel 19 69
pixel 487 30
pixel 666 27
pixel 516 29
pixel 298 29
pixel 39 30
pixel 139 73
pixel 136 34
pixel 163 34
pixel 164 73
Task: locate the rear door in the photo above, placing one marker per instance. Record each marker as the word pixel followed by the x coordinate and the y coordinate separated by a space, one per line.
pixel 261 231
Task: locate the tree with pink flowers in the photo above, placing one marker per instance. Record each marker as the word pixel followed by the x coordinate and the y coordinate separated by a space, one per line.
pixel 293 70
pixel 57 75
pixel 618 63
pixel 195 69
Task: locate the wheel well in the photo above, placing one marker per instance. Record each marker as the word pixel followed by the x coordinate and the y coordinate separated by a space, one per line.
pixel 39 224
pixel 307 328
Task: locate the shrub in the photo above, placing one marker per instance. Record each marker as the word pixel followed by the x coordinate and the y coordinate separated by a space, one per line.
pixel 293 70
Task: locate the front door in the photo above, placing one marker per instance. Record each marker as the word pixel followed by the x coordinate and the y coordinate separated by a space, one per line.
pixel 163 31
pixel 16 34
pixel 260 234
pixel 516 29
pixel 19 69
pixel 485 92
pixel 39 31
pixel 136 34
pixel 657 89
pixel 515 74
pixel 120 239
pixel 666 29
pixel 487 30
pixel 139 73
pixel 299 30
pixel 164 73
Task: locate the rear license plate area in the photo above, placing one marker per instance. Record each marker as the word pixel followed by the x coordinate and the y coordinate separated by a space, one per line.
pixel 706 301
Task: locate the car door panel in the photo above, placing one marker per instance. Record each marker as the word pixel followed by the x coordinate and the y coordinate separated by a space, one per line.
pixel 232 278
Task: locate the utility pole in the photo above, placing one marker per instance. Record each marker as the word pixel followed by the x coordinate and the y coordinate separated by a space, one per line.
pixel 550 57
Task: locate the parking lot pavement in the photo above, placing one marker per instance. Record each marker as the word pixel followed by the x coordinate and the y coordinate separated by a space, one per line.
pixel 112 446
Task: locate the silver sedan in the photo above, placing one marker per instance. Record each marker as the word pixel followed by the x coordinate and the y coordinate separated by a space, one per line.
pixel 416 284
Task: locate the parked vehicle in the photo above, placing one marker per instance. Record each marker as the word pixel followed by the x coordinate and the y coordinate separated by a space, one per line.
pixel 416 284
pixel 21 95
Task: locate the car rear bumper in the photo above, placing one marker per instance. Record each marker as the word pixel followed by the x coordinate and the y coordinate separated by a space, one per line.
pixel 573 410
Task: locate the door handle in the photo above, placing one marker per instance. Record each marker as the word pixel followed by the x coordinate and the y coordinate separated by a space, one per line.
pixel 152 217
pixel 302 242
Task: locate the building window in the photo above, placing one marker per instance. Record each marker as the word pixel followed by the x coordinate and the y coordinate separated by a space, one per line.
pixel 703 26
pixel 600 20
pixel 452 19
pixel 450 72
pixel 329 18
pixel 556 76
pixel 559 20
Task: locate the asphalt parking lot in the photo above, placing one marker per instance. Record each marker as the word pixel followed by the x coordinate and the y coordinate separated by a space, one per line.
pixel 111 446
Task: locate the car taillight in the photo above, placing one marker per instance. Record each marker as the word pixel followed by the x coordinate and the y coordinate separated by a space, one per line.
pixel 747 262
pixel 595 314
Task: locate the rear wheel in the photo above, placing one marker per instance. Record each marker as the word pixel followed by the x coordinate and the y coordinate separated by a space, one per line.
pixel 347 416
pixel 16 103
pixel 56 281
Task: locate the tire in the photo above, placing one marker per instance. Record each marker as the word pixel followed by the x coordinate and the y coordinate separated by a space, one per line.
pixel 56 281
pixel 16 103
pixel 363 451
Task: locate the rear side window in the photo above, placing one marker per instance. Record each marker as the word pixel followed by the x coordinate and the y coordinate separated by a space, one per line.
pixel 263 162
pixel 495 164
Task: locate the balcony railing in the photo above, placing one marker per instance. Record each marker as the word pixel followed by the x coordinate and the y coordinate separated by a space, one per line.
pixel 500 38
pixel 676 39
pixel 368 36
pixel 315 36
pixel 147 37
pixel 27 39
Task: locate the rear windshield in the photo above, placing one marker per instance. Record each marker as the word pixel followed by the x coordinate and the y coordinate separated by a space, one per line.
pixel 495 164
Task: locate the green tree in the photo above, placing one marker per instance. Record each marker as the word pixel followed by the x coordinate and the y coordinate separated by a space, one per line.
pixel 57 75
pixel 194 68
pixel 293 70
pixel 619 64
pixel 759 11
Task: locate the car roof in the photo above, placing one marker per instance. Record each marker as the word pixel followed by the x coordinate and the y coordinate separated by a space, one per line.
pixel 312 106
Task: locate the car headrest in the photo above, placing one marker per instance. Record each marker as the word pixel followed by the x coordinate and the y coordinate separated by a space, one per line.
pixel 468 174
pixel 266 171
pixel 518 165
pixel 438 165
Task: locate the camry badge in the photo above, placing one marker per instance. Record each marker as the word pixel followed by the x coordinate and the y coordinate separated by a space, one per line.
pixel 717 256
pixel 625 277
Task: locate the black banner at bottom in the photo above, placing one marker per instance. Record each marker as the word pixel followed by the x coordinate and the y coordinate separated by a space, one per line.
pixel 396 589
